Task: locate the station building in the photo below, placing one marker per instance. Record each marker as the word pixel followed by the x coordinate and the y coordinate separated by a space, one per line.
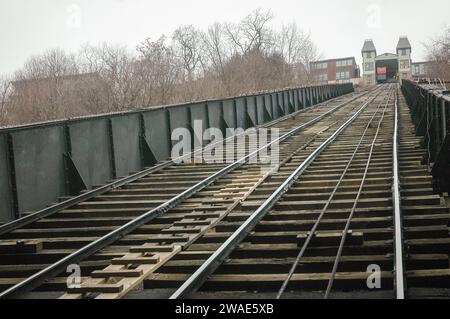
pixel 386 67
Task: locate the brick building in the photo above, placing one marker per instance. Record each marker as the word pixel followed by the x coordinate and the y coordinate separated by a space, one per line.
pixel 342 70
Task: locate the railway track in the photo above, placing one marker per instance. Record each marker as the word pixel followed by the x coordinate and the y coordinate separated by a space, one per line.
pixel 39 247
pixel 347 193
pixel 309 226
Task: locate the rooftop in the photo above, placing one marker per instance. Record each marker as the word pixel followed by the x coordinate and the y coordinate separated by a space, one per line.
pixel 403 43
pixel 368 46
pixel 332 60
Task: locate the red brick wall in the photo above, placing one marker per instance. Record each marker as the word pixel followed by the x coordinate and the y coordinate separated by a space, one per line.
pixel 332 69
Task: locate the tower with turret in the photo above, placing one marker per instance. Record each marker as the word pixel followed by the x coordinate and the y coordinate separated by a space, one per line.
pixel 369 53
pixel 404 58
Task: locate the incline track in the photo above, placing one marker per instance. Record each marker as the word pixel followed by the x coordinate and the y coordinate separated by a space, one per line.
pixel 313 226
pixel 262 261
pixel 52 236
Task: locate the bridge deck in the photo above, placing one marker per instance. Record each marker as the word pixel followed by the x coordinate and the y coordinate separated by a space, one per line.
pixel 326 212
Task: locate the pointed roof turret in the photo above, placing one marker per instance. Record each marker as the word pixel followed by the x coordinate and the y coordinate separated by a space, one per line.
pixel 369 46
pixel 403 43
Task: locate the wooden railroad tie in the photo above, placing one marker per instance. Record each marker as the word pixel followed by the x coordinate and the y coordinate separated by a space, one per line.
pixel 125 273
pixel 20 246
pixel 331 238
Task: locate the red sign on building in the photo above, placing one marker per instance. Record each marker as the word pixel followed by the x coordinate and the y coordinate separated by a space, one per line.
pixel 382 70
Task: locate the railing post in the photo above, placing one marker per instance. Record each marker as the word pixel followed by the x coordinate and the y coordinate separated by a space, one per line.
pixel 12 176
pixel 444 119
pixel 169 130
pixel 111 149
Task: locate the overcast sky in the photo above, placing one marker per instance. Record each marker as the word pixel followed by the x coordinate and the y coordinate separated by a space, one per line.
pixel 338 27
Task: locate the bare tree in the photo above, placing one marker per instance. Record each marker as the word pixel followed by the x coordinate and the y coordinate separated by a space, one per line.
pixel 53 64
pixel 438 51
pixel 226 59
pixel 217 53
pixel 188 48
pixel 252 33
pixel 290 44
pixel 114 65
pixel 159 70
pixel 5 93
pixel 40 87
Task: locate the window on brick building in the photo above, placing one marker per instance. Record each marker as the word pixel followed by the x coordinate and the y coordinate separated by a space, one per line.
pixel 322 77
pixel 342 75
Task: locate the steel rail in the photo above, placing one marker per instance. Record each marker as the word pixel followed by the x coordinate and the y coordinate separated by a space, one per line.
pixel 313 230
pixel 352 212
pixel 48 211
pixel 399 279
pixel 216 259
pixel 56 268
pixel 289 157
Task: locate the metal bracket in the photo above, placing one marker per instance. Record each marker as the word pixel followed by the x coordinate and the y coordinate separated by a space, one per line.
pixel 74 179
pixel 148 157
pixel 281 110
pixel 248 121
pixel 291 108
pixel 267 116
pixel 223 126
